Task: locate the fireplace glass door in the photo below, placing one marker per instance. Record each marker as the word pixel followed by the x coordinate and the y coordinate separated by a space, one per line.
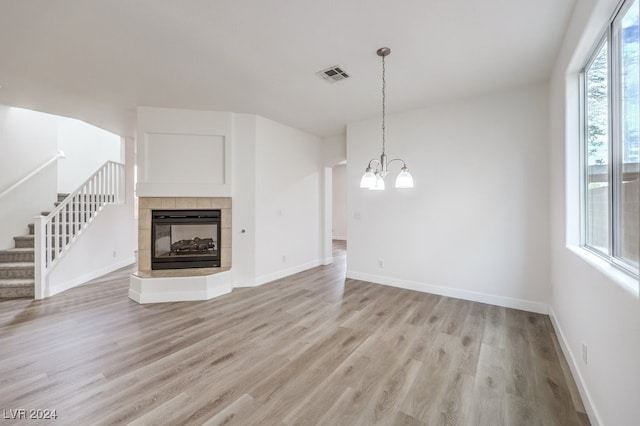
pixel 185 239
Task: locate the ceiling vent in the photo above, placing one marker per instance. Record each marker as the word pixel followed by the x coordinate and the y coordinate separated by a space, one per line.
pixel 333 74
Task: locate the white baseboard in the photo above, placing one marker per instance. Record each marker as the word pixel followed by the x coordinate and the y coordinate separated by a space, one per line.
pixel 164 297
pixel 245 284
pixel 283 273
pixel 327 261
pixel 51 291
pixel 594 417
pixel 507 302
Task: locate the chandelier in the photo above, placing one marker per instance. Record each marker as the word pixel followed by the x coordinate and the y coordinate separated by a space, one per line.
pixel 373 177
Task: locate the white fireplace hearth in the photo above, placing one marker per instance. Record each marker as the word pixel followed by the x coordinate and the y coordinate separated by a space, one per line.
pixel 175 285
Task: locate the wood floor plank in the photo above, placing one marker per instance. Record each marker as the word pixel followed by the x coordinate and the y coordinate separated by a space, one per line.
pixel 239 412
pixel 385 401
pixel 312 348
pixel 348 373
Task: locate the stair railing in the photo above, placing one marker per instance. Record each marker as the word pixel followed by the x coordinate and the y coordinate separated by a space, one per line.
pixel 56 232
pixel 31 174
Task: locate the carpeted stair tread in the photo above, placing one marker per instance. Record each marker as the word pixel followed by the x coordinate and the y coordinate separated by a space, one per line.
pixel 17 270
pixel 13 288
pixel 17 255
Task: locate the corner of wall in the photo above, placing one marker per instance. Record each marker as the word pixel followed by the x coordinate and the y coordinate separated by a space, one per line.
pixel 587 400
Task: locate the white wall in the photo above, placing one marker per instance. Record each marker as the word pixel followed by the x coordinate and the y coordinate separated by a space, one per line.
pixel 591 303
pixel 243 260
pixel 339 193
pixel 99 251
pixel 27 140
pixel 288 200
pixel 86 149
pixel 476 224
pixel 334 150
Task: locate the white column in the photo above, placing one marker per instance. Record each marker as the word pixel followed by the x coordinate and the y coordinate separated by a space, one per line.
pixel 40 258
pixel 327 216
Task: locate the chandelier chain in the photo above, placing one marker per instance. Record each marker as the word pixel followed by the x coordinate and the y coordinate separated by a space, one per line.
pixel 384 85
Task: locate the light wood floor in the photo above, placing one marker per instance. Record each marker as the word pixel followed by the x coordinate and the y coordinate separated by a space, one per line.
pixel 307 349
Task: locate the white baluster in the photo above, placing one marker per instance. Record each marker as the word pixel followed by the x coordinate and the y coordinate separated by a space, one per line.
pixel 63 226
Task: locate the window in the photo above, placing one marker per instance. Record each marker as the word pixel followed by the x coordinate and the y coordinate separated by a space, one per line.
pixel 610 146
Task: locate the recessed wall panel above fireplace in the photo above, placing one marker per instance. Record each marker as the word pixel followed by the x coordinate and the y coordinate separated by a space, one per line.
pixel 184 153
pixel 200 158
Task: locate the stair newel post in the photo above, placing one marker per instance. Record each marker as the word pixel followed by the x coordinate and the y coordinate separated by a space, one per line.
pixel 122 182
pixel 107 184
pixel 40 256
pixel 63 226
pixel 55 234
pixel 115 189
pixel 113 179
pixel 118 181
pixel 115 185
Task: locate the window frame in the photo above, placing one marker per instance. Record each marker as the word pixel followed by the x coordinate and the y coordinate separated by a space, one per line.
pixel 611 39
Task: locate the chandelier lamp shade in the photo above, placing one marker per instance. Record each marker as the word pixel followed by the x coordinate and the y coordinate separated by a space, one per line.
pixel 374 174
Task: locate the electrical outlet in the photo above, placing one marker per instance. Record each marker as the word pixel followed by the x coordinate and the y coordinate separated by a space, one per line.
pixel 284 258
pixel 115 253
pixel 381 263
pixel 584 353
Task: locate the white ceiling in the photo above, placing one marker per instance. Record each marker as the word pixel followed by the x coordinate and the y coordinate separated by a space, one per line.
pixel 98 59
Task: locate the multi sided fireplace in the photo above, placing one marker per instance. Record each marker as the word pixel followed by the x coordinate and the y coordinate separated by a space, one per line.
pixel 185 239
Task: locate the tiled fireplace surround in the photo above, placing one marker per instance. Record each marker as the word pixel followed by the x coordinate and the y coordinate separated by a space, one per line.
pixel 146 205
pixel 174 285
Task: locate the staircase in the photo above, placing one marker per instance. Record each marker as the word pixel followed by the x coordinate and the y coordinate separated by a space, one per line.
pixel 17 266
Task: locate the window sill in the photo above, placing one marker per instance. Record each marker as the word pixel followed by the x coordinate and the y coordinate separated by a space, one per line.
pixel 627 282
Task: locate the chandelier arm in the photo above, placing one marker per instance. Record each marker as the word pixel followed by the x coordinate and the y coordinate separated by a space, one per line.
pixel 404 164
pixel 376 162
